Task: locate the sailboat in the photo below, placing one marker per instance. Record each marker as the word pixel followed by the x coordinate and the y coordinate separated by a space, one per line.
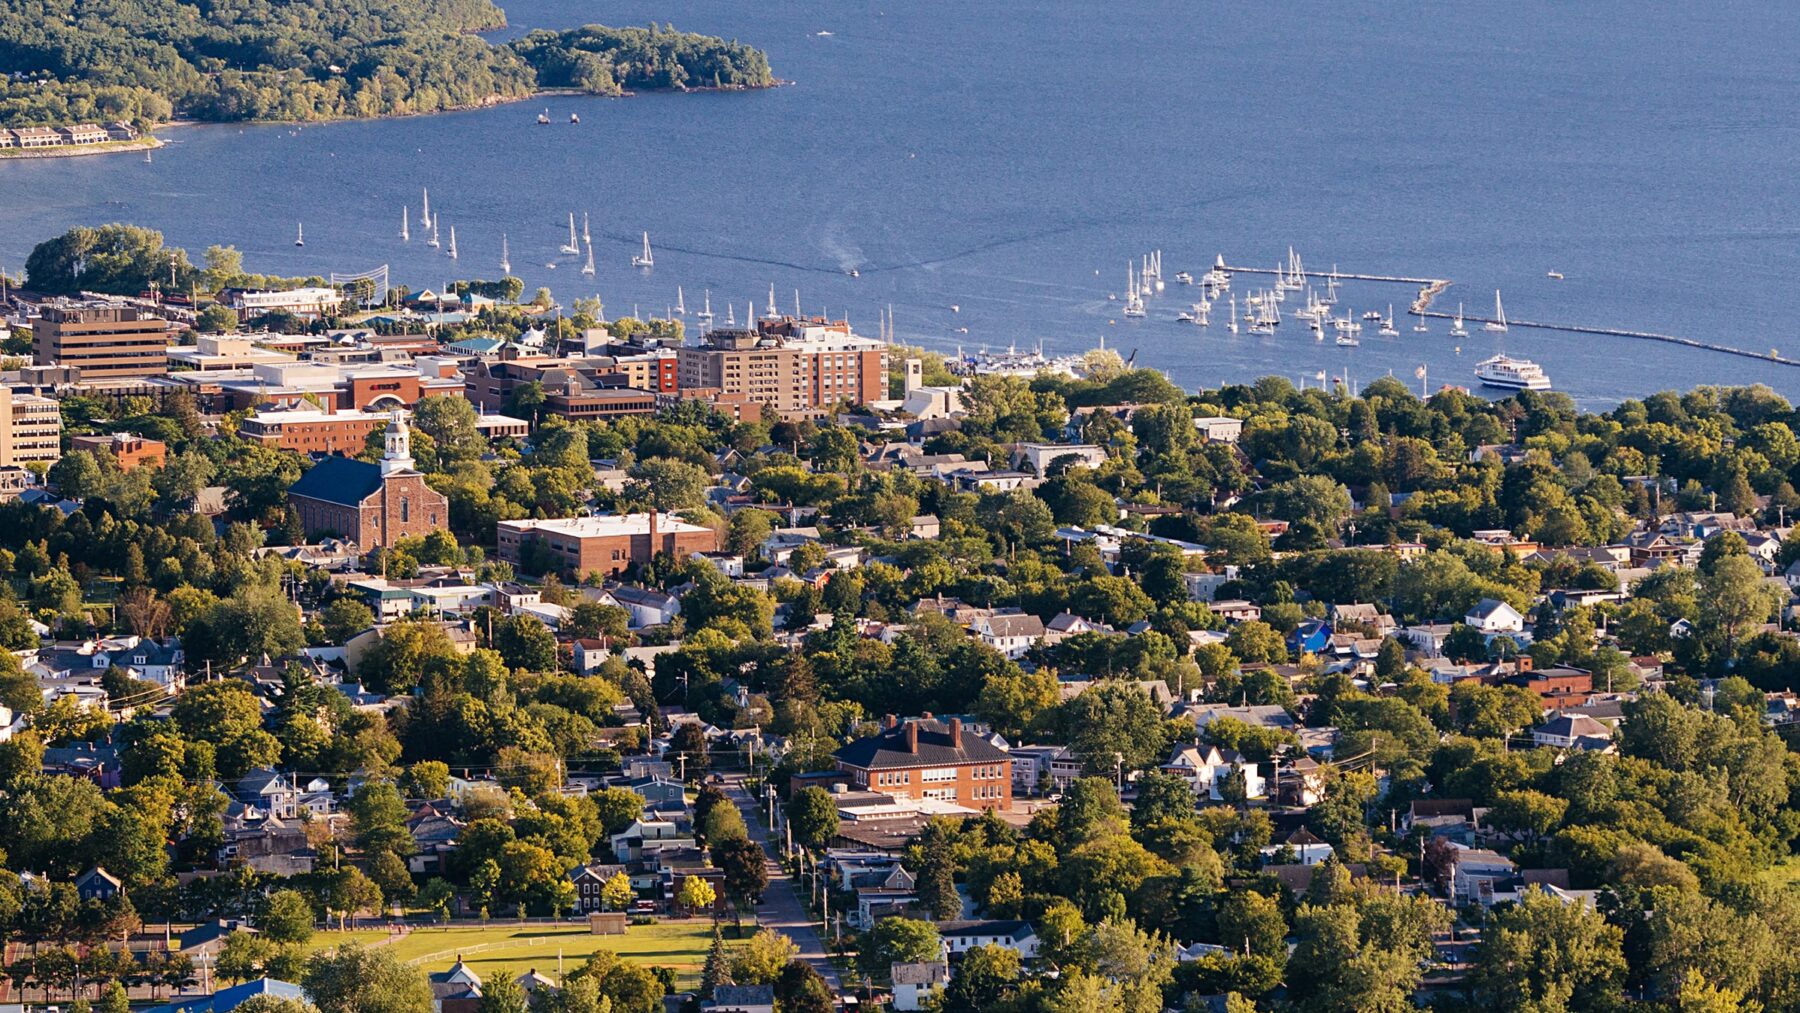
pixel 1387 326
pixel 148 160
pixel 705 314
pixel 730 315
pixel 1457 330
pixel 773 312
pixel 433 241
pixel 587 269
pixel 425 212
pixel 585 236
pixel 571 246
pixel 1234 327
pixel 405 231
pixel 300 235
pixel 452 250
pixel 1499 321
pixel 505 256
pixel 644 259
pixel 680 303
pixel 1424 324
pixel 1134 300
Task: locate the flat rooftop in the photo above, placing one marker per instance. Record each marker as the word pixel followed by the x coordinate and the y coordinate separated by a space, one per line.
pixel 604 526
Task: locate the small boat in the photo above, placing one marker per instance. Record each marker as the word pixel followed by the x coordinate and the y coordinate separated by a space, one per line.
pixel 587 269
pixel 300 235
pixel 705 315
pixel 956 307
pixel 586 236
pixel 452 250
pixel 823 35
pixel 544 118
pixel 854 273
pixel 644 259
pixel 1497 324
pixel 433 241
pixel 425 213
pixel 405 230
pixel 1372 316
pixel 505 256
pixel 147 158
pixel 571 247
pixel 1554 275
pixel 1234 325
pixel 1346 341
pixel 574 118
pixel 1134 301
pixel 730 315
pixel 1457 330
pixel 1184 278
pixel 1387 326
pixel 680 303
pixel 1424 324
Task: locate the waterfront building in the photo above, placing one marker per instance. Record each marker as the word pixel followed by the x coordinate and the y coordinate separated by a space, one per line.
pixel 309 303
pixel 103 339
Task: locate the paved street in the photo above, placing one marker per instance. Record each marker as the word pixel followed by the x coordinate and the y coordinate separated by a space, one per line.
pixel 781 908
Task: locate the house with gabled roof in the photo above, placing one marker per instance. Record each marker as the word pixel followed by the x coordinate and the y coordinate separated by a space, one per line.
pixel 1207 768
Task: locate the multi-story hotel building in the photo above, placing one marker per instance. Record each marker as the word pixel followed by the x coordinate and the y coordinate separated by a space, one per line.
pixel 793 368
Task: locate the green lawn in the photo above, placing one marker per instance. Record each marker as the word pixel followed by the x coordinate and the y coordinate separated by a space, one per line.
pixel 514 949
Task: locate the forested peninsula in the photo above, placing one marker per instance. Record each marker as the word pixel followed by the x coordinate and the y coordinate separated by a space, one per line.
pixel 147 61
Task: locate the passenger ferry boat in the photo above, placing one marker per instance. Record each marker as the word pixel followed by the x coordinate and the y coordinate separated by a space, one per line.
pixel 1514 374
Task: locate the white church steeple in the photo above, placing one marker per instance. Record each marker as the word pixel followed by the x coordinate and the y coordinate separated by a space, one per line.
pixel 399 446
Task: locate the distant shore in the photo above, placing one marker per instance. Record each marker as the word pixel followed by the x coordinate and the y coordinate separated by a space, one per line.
pixel 75 150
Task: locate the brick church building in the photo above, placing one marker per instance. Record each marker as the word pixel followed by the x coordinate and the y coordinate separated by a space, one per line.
pixel 374 505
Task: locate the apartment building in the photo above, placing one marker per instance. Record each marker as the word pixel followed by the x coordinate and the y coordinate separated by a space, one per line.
pixel 795 368
pixel 129 449
pixel 104 340
pixel 30 428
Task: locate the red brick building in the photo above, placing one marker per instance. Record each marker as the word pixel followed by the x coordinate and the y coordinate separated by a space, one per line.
pixel 132 451
pixel 313 432
pixel 372 504
pixel 924 758
pixel 607 544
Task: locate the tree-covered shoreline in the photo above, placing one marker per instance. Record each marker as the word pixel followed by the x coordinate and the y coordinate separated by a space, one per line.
pixel 316 60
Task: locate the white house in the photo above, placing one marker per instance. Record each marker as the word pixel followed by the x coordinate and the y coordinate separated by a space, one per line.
pixel 1490 616
pixel 915 984
pixel 1207 767
pixel 1011 635
pixel 1015 935
pixel 1219 428
pixel 1569 731
pixel 1480 876
pixel 1042 455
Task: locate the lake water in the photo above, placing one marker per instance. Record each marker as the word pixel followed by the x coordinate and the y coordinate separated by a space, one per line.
pixel 1011 158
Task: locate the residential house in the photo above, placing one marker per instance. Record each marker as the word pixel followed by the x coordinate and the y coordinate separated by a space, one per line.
pixel 227 999
pixel 962 936
pixel 1572 731
pixel 648 606
pixel 1207 768
pixel 1490 617
pixel 1480 876
pixel 1043 769
pixel 1011 635
pixel 97 884
pixel 590 883
pixel 269 790
pixel 741 999
pixel 915 984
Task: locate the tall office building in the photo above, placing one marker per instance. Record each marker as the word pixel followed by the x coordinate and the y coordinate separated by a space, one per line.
pixel 104 340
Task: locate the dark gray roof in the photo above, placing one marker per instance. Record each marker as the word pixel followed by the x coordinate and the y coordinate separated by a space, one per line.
pixel 1005 928
pixel 339 480
pixel 888 749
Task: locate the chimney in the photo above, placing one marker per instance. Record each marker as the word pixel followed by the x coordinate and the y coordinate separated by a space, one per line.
pixel 912 736
pixel 889 722
pixel 956 733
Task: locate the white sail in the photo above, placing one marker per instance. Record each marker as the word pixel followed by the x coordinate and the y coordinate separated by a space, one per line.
pixel 299 235
pixel 773 312
pixel 405 233
pixel 644 259
pixel 425 212
pixel 452 242
pixel 505 255
pixel 1499 321
pixel 587 269
pixel 571 246
pixel 586 237
pixel 680 303
pixel 706 311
